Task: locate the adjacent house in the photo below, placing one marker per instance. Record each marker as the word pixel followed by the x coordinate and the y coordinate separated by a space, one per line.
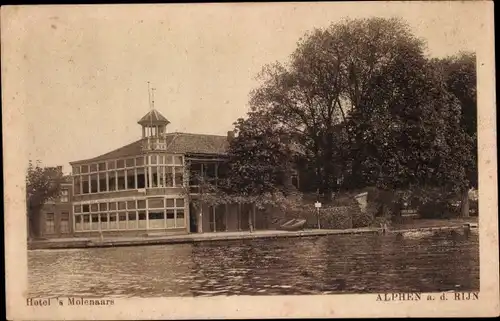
pixel 56 214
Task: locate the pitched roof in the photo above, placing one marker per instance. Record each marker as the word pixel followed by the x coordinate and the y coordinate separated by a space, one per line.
pixel 153 117
pixel 181 143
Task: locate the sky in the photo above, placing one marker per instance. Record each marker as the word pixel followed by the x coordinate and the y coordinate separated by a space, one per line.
pixel 85 69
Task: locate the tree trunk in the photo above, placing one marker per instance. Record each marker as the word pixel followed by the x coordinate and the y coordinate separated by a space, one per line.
pixel 465 204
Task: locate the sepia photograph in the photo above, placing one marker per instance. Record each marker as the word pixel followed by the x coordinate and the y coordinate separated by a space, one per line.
pixel 214 160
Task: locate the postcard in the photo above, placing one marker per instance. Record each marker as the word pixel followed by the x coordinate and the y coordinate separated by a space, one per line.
pixel 239 160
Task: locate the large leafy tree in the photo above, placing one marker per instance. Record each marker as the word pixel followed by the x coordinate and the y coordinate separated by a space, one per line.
pixel 362 100
pixel 329 77
pixel 459 75
pixel 407 131
pixel 260 157
pixel 42 185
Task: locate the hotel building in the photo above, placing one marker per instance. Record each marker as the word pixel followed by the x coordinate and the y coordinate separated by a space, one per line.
pixel 148 186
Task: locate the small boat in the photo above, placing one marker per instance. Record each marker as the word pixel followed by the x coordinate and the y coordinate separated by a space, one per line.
pixel 293 225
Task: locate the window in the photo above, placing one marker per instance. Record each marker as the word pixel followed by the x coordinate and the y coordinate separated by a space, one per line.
pixel 154 159
pixel 209 172
pixel 154 171
pixel 112 181
pixel 121 180
pixel 93 168
pixel 49 223
pixel 86 208
pixel 130 162
pixel 141 204
pixel 132 217
pixel 77 185
pixel 111 164
pixel 139 161
pixel 120 163
pixel 177 160
pixel 170 218
pixel 175 215
pixel 131 205
pixel 113 223
pixel 169 176
pixel 122 206
pixel 86 222
pixel 104 221
pixel 130 179
pixel 76 169
pixel 85 168
pixel 93 183
pixel 78 208
pixel 85 184
pixel 103 207
pixel 102 167
pixel 179 176
pixel 78 222
pixel 95 222
pixel 179 218
pixel 195 174
pixel 65 222
pixel 141 179
pixel 112 206
pixel 155 203
pixel 222 171
pixel 156 219
pixel 142 219
pixel 102 182
pixel 122 224
pixel 94 208
pixel 64 198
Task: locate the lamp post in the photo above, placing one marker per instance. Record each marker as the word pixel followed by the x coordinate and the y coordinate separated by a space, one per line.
pixel 318 206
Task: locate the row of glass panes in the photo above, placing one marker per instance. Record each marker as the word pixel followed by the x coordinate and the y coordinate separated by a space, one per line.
pixel 157 202
pixel 169 218
pixel 161 176
pixel 173 160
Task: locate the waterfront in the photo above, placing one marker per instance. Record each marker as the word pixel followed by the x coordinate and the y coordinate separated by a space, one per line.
pixel 361 263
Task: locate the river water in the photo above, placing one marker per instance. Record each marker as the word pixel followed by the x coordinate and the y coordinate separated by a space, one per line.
pixel 316 265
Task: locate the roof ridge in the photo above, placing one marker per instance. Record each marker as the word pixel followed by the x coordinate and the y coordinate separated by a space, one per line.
pixel 193 134
pixel 110 152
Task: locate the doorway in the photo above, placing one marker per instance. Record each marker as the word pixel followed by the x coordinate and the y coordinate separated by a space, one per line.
pixel 193 224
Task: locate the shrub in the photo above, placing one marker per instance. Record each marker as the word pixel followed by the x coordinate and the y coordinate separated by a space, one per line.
pixel 336 218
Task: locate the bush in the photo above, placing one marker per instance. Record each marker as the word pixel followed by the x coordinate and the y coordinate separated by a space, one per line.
pixel 438 209
pixel 336 218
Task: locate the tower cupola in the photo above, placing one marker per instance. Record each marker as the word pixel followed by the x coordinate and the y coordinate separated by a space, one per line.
pixel 154 127
pixel 153 124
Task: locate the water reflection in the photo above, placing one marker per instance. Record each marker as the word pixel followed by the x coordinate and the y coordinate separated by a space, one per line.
pixel 334 264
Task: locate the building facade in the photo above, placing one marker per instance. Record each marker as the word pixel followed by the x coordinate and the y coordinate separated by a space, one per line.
pixel 57 216
pixel 148 186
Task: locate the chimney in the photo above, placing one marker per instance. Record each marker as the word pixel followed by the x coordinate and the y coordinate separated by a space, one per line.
pixel 230 136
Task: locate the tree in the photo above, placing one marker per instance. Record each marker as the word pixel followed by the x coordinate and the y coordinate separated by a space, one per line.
pixel 459 74
pixel 42 184
pixel 259 157
pixel 329 77
pixel 363 101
